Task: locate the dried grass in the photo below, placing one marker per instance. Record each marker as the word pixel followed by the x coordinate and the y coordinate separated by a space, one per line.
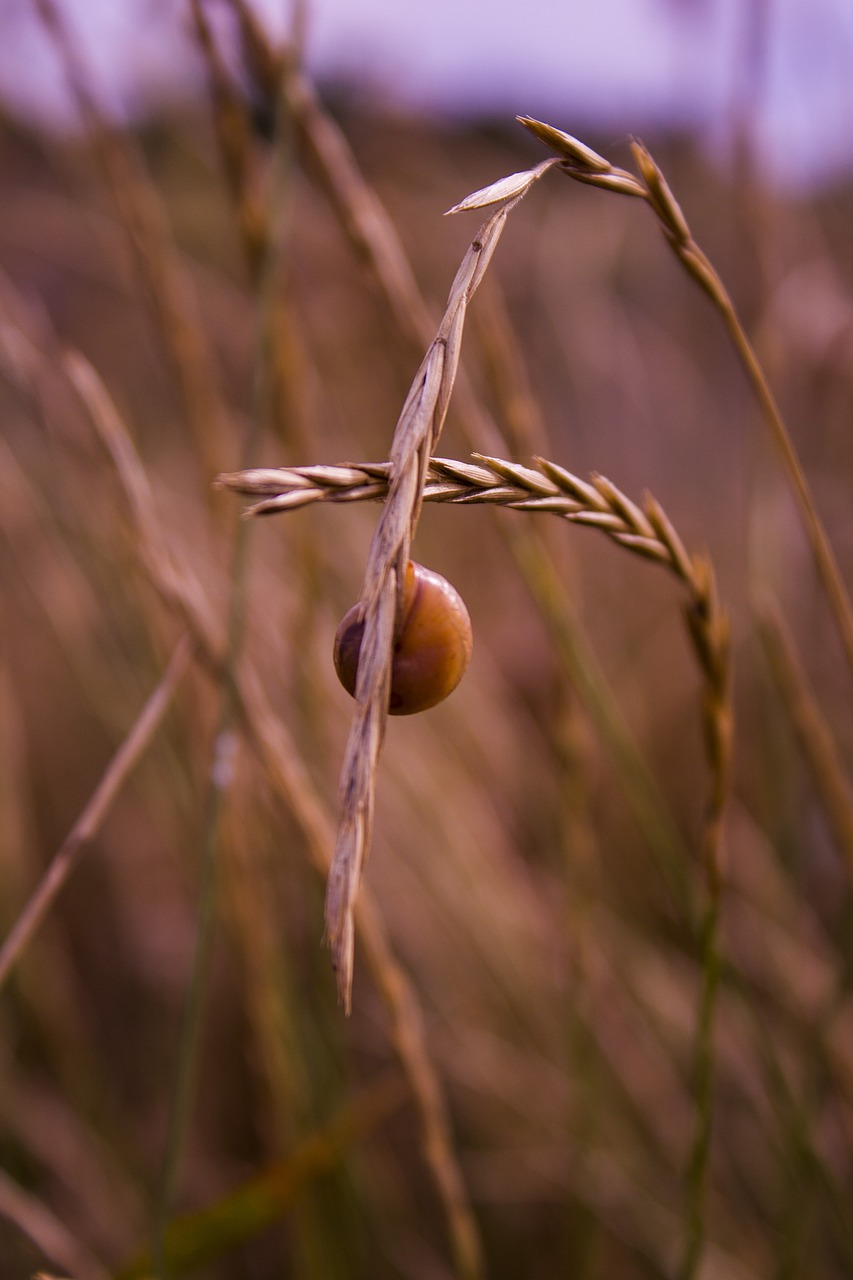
pixel 647 532
pixel 571 1038
pixel 552 490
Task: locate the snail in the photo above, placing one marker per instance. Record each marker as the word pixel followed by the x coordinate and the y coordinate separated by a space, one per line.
pixel 432 644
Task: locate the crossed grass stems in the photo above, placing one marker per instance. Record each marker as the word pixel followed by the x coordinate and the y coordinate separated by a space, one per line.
pixel 412 475
pixel 597 503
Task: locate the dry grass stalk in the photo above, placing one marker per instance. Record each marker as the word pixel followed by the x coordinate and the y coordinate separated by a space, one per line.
pixel 87 825
pixel 260 196
pixel 810 725
pixel 678 235
pixel 376 241
pixel 262 59
pixel 164 280
pixel 281 761
pixel 362 215
pixel 585 165
pixel 47 1233
pixel 708 628
pixel 551 489
pixel 646 531
pixel 765 986
pixel 417 431
pixel 234 135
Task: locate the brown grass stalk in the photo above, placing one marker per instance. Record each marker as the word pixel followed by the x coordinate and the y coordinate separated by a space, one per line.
pixel 164 280
pixel 361 213
pixel 47 1233
pixel 589 1082
pixel 261 197
pixel 551 489
pixel 695 262
pixel 234 136
pixel 417 431
pixel 585 165
pixel 357 205
pixel 813 732
pixel 376 241
pixel 280 759
pixel 645 531
pixel 96 809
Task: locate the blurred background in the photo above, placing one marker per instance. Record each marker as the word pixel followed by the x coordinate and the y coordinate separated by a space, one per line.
pixel 222 244
pixel 779 68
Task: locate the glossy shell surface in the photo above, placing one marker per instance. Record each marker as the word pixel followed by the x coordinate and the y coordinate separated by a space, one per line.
pixel 432 646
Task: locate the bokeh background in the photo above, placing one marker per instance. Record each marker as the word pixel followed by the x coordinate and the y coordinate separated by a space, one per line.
pixel 187 286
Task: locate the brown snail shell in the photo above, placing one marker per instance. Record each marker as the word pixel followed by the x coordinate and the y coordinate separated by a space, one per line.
pixel 432 644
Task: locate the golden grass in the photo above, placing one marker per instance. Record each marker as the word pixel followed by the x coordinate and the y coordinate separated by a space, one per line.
pixel 550 490
pixel 558 1061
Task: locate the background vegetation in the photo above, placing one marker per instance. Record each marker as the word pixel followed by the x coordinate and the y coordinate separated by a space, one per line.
pixel 515 1091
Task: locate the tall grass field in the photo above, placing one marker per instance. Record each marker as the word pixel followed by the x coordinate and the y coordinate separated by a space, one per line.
pixel 554 979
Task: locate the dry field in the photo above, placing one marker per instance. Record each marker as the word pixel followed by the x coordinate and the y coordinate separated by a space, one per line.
pixel 602 1017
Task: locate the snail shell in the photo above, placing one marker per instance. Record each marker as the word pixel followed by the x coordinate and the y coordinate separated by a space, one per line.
pixel 432 644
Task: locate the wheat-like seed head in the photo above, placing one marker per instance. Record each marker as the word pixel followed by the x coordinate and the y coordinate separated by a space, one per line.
pixel 411 477
pixel 644 530
pixel 584 165
pixel 418 429
pixel 493 481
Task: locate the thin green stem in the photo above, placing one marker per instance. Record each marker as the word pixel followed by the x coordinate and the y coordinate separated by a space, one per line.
pixel 700 1156
pixel 702 270
pixel 824 556
pixel 650 810
pixel 265 277
pixel 219 782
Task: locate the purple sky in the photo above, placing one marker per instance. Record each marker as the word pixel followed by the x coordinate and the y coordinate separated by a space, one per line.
pixel 622 64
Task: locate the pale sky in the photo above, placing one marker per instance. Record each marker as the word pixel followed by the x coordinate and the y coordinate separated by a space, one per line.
pixel 621 64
